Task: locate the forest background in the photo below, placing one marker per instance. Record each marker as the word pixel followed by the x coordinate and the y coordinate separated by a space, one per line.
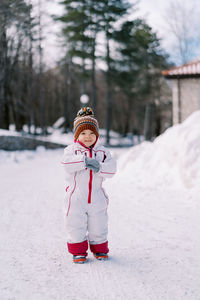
pixel 108 54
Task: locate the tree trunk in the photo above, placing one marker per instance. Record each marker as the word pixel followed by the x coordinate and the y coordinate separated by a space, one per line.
pixel 66 96
pixel 128 116
pixel 41 86
pixel 109 94
pixel 147 122
pixel 93 94
pixel 31 120
pixel 3 59
pixel 83 83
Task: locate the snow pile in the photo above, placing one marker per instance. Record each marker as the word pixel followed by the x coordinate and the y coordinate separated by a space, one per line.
pixel 173 158
pixel 59 137
pixel 4 132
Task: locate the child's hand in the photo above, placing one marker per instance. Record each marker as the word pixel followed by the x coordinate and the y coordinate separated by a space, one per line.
pixel 92 164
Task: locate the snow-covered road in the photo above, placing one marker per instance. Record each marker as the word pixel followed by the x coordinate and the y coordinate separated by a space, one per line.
pixel 154 238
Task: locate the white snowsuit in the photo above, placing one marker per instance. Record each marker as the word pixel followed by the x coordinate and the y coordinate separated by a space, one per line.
pixel 86 207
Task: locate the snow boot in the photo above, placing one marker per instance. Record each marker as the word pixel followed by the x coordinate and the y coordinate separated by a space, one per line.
pixel 79 259
pixel 101 256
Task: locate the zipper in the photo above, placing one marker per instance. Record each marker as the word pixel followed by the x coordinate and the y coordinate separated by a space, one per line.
pixel 90 181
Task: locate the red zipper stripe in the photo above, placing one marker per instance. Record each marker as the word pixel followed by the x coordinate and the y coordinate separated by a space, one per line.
pixel 90 187
pixel 90 182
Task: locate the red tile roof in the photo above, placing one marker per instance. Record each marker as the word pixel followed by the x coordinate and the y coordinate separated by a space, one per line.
pixel 192 68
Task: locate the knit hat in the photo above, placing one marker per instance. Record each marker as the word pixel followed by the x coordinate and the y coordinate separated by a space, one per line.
pixel 85 120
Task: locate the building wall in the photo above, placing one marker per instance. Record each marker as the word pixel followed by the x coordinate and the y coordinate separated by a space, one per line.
pixel 190 96
pixel 188 90
pixel 175 105
pixel 165 106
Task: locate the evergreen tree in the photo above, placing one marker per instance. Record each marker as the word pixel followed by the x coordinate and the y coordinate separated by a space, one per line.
pixel 76 21
pixel 83 21
pixel 139 62
pixel 110 11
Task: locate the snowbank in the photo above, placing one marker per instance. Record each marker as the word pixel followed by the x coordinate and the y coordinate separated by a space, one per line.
pixel 172 159
pixel 4 132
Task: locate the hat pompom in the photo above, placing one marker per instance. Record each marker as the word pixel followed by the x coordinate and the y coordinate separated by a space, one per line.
pixel 85 111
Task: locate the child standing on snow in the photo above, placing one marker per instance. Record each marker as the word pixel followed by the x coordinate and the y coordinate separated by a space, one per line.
pixel 87 164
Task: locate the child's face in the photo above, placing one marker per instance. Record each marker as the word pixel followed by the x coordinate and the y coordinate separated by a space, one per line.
pixel 87 137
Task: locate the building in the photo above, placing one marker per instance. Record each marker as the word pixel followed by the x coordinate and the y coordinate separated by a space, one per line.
pixel 185 85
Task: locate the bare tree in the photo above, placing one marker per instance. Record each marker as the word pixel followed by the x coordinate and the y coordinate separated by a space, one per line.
pixel 182 19
pixel 13 18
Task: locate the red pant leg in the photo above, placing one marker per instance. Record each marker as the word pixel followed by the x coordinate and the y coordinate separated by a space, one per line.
pixel 99 248
pixel 78 248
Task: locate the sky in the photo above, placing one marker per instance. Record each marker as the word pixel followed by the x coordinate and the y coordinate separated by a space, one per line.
pixel 153 11
pixel 157 15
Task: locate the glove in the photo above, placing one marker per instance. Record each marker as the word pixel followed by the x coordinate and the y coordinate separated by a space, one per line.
pixel 92 164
